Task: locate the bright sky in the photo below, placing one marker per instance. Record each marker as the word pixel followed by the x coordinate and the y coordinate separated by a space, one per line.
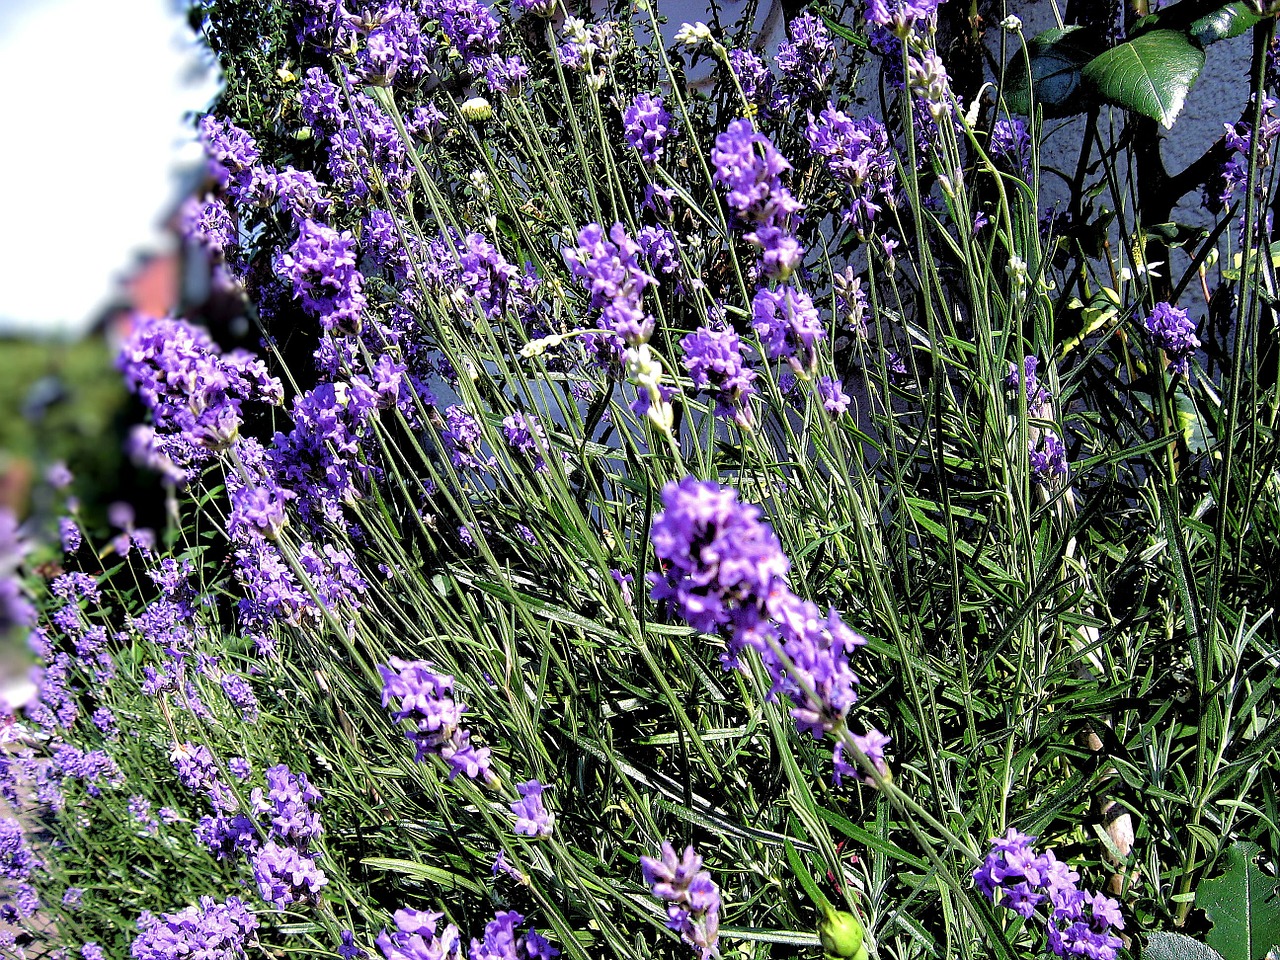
pixel 93 135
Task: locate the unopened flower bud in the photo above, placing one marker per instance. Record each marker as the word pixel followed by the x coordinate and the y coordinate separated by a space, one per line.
pixel 1011 23
pixel 536 348
pixel 693 34
pixel 841 934
pixel 476 109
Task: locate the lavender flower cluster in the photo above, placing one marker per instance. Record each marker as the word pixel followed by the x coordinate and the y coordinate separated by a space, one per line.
pixel 418 935
pixel 691 896
pixel 211 930
pixel 1173 331
pixel 1079 924
pixel 425 699
pixel 749 168
pixel 724 572
pixel 284 869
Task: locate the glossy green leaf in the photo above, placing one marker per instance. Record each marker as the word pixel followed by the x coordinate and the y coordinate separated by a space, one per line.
pixel 1057 58
pixel 1244 906
pixel 1177 946
pixel 1224 23
pixel 1150 74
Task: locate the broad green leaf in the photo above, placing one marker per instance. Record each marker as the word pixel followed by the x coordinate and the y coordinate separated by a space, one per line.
pixel 1177 946
pixel 1150 74
pixel 1057 58
pixel 1244 906
pixel 1224 23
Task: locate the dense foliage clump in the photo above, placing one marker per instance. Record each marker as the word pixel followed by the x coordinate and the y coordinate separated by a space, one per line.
pixel 665 519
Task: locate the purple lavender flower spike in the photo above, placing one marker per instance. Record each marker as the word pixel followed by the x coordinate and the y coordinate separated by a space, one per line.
pixel 1079 924
pixel 321 265
pixel 525 434
pixel 807 60
pixel 426 700
pixel 858 154
pixel 211 930
pixel 608 267
pixel 1174 332
pixel 834 400
pixel 647 127
pixel 286 876
pixel 788 325
pixel 715 360
pixel 532 817
pixel 691 896
pixel 725 572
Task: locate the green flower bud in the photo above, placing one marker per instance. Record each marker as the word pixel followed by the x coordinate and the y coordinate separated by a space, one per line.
pixel 841 935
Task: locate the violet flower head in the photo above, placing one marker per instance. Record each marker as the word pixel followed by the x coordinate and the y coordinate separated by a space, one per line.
pixel 525 434
pixel 541 8
pixel 321 101
pixel 871 743
pixel 1174 332
pixel 417 937
pixel 659 247
pixel 608 267
pixel 721 561
pixel 347 948
pixel 715 359
pixel 232 152
pixel 285 875
pixel 425 699
pixel 749 168
pixel 17 862
pixel 725 572
pixel 1028 383
pixel 691 896
pixel 1011 143
pixel 69 534
pixel 1048 456
pixel 858 154
pixel 258 511
pixel 1078 924
pixel 59 476
pixel 194 391
pixel 501 941
pixel 532 817
pixel 647 126
pixel 462 435
pixel 788 325
pixel 899 17
pixel 211 931
pixel 321 265
pixel 15 609
pixel 756 81
pixel 286 807
pixel 807 60
pixel 834 400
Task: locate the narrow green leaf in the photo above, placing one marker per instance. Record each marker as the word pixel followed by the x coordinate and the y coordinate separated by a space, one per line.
pixel 864 836
pixel 420 871
pixel 806 879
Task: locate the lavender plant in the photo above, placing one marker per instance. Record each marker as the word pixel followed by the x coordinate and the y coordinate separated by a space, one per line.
pixel 623 467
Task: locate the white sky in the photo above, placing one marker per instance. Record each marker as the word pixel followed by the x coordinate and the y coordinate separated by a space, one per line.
pixel 92 97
